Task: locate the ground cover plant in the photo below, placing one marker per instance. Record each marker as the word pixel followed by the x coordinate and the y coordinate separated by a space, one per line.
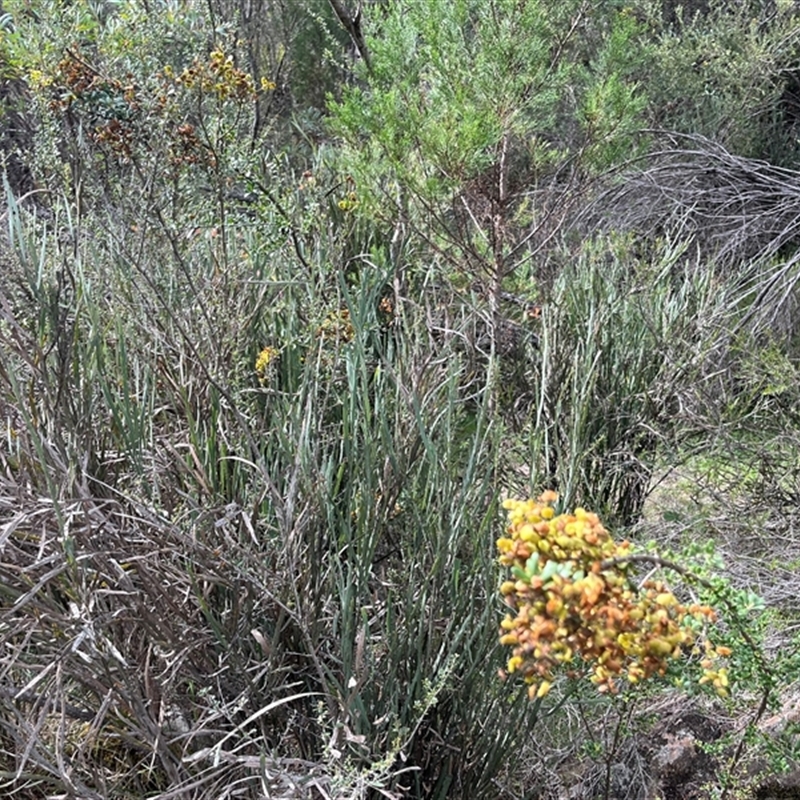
pixel 291 303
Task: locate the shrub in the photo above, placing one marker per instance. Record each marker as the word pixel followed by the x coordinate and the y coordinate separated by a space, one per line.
pixel 575 605
pixel 471 118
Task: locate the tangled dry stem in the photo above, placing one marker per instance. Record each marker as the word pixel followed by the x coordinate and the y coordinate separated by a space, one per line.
pixel 115 675
pixel 735 209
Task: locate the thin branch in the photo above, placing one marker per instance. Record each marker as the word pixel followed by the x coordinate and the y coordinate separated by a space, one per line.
pixel 352 24
pixel 764 669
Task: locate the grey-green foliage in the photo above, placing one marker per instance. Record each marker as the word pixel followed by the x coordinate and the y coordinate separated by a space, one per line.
pixel 362 550
pixel 396 503
pixel 722 74
pixel 620 340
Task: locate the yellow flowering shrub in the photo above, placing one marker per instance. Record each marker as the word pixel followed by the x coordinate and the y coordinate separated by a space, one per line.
pixel 573 604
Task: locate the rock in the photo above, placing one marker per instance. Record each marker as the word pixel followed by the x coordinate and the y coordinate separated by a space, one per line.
pixel 780 787
pixel 677 758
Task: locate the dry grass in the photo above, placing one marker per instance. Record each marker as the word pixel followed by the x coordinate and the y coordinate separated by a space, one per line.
pixel 737 211
pixel 126 641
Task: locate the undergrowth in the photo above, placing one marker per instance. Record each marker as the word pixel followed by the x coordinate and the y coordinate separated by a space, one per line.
pixel 262 395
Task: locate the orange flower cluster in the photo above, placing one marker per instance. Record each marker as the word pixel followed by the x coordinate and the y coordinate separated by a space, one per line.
pixel 573 604
pixel 109 106
pixel 219 76
pixel 337 327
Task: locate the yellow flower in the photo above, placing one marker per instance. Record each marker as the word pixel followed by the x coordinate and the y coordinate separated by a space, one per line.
pixel 39 80
pixel 569 604
pixel 514 663
pixel 666 599
pixel 266 357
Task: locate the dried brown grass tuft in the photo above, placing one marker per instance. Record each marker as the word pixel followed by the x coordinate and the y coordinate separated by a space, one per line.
pixel 127 654
pixel 735 210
